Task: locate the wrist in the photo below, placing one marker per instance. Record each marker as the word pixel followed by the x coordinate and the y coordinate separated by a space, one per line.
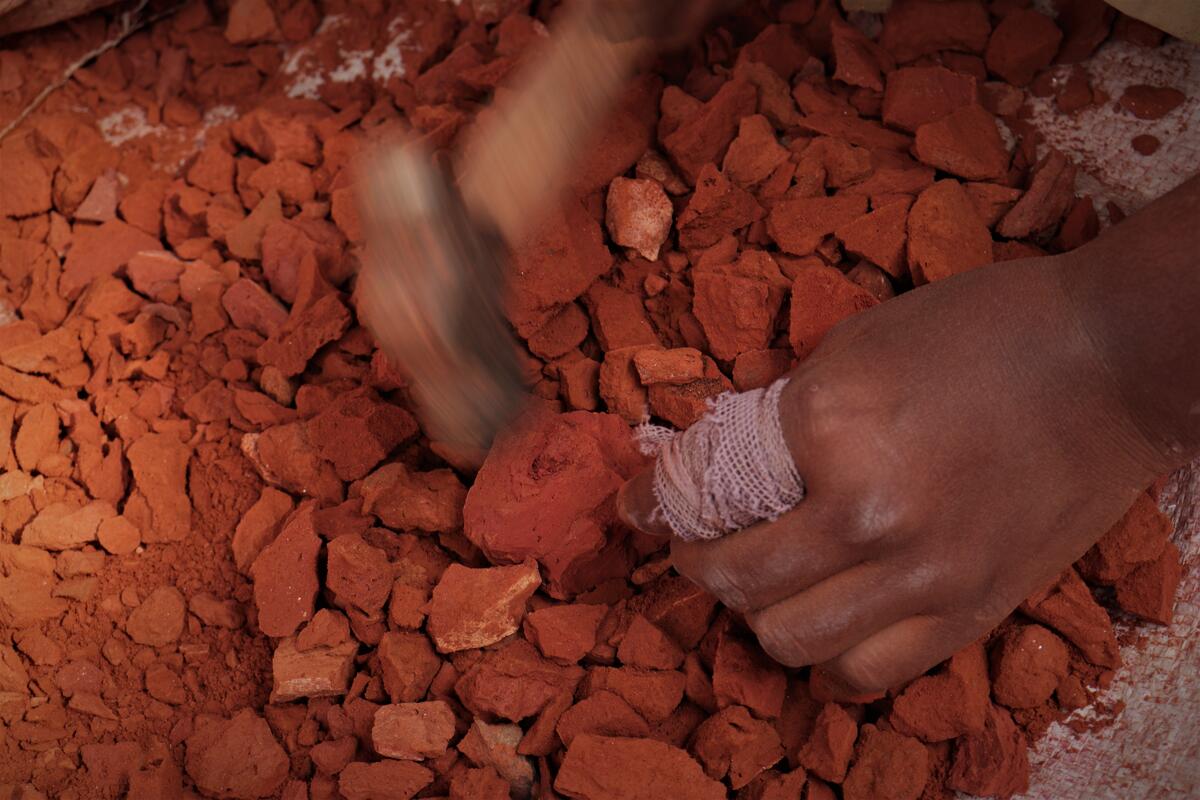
pixel 1137 421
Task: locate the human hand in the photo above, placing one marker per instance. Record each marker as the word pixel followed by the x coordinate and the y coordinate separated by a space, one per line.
pixel 960 445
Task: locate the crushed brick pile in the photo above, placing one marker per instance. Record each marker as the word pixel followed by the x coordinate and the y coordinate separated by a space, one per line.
pixel 231 564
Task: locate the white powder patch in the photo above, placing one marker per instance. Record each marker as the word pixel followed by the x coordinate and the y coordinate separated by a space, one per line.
pixel 307 86
pixel 380 64
pixel 353 66
pixel 330 22
pixel 8 314
pixel 1152 747
pixel 390 64
pixel 127 124
pixel 1098 138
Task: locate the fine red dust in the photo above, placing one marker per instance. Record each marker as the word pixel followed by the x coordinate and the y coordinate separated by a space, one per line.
pixel 233 566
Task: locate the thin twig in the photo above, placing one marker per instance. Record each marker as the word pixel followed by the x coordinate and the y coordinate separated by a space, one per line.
pixel 129 24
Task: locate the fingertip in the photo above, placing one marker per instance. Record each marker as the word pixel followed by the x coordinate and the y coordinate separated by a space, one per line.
pixel 638 508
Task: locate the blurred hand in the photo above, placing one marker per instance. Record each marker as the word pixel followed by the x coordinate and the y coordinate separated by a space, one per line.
pixel 960 446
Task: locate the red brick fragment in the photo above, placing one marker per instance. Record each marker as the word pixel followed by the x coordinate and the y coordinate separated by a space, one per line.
pixel 507 514
pixel 1151 102
pixel 408 665
pixel 994 761
pixel 358 430
pixel 799 225
pixel 821 298
pixel 473 608
pixel 772 785
pixel 829 748
pixel 965 143
pixel 704 138
pixel 1137 538
pixel 237 757
pixel 638 215
pixel 358 574
pixel 259 525
pixel 1146 144
pixel 565 632
pixel 948 704
pixel 1045 202
pixel 613 768
pixel 555 265
pixel 514 682
pixel 737 305
pixel 677 366
pixel 945 234
pixel 1085 24
pixel 496 746
pixel 645 645
pixel 716 209
pixel 285 577
pixel 1068 607
pixel 744 675
pixel 319 671
pixel 26 182
pixel 732 743
pixel 293 344
pixel 756 369
pixel 654 694
pixel 855 130
pixel 479 784
pixel 914 28
pixel 1023 44
pixel 561 334
pixel 383 779
pixel 1149 591
pixel 755 153
pixel 1028 664
pixel 887 766
pixel 101 251
pixel 250 306
pixel 879 236
pixel 602 714
pixel 991 200
pixel 579 383
pixel 404 499
pixel 618 318
pixel 250 21
pixel 413 731
pixel 159 464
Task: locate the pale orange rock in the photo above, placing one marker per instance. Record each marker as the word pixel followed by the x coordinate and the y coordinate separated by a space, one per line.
pixel 317 672
pixel 639 215
pixel 477 607
pixel 413 731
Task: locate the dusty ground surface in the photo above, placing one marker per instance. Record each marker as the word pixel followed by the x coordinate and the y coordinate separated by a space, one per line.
pixel 231 563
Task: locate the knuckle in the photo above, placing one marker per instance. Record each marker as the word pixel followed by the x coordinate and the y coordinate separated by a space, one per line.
pixel 864 672
pixel 713 576
pixel 884 514
pixel 781 643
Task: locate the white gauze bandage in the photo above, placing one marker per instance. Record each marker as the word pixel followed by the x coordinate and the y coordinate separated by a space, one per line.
pixel 729 470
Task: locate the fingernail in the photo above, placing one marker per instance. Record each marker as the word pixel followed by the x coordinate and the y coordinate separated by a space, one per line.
pixel 635 511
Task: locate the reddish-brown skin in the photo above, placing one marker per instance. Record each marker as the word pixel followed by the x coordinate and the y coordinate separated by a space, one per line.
pixel 964 443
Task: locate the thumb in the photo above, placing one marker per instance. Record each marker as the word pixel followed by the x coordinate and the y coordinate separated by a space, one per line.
pixel 731 469
pixel 638 508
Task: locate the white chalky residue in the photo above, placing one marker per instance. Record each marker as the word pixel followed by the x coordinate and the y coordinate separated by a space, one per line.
pixel 307 86
pixel 353 66
pixel 126 124
pixel 218 114
pixel 389 64
pixel 8 315
pixel 1151 748
pixel 330 22
pixel 1098 138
